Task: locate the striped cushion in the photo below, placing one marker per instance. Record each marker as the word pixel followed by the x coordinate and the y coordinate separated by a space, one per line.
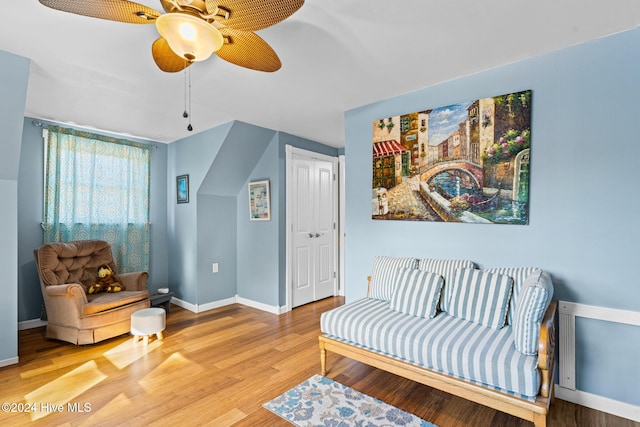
pixel 480 297
pixel 535 296
pixel 383 279
pixel 417 292
pixel 445 268
pixel 445 344
pixel 518 274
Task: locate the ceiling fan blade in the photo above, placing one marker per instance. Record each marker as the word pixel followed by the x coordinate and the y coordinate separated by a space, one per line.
pixel 112 10
pixel 253 15
pixel 166 59
pixel 248 50
pixel 211 6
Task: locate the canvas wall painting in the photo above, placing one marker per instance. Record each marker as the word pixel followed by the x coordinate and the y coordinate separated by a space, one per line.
pixel 467 162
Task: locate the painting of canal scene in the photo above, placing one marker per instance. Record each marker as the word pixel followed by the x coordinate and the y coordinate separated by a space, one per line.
pixel 467 162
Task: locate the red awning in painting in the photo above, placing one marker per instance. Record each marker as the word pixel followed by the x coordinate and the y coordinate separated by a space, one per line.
pixel 387 148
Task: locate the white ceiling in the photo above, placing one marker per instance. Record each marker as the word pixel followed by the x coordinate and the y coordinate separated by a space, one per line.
pixel 336 55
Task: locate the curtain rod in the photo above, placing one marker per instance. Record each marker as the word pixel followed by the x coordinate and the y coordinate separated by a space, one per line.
pixel 39 124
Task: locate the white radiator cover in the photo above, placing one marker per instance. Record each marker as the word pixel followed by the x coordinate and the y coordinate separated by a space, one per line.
pixel 568 311
pixel 567 343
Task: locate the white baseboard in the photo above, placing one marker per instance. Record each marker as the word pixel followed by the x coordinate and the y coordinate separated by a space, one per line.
pixel 30 324
pixel 216 304
pixel 260 306
pixel 186 305
pixel 194 308
pixel 600 403
pixel 7 362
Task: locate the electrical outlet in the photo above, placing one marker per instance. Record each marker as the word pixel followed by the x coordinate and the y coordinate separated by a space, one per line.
pixel 215 267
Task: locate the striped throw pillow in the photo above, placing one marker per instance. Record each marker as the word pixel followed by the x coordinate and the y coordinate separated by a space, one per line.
pixel 518 274
pixel 535 296
pixel 447 269
pixel 480 297
pixel 383 278
pixel 417 292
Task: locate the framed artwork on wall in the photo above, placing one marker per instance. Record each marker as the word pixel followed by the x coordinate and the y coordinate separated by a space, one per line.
pixel 182 189
pixel 467 162
pixel 259 204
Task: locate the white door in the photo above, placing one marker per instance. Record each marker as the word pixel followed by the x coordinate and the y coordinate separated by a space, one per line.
pixel 313 224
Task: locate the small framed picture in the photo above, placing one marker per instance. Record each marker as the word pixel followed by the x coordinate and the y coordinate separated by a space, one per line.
pixel 259 205
pixel 182 189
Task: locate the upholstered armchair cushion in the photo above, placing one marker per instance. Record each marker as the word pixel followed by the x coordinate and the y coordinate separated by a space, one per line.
pixel 66 270
pixel 73 262
pixel 106 301
pixel 134 281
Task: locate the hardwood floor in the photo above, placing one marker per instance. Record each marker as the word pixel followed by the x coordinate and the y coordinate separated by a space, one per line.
pixel 217 368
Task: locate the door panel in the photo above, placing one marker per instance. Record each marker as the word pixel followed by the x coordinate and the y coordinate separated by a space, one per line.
pixel 325 198
pixel 304 289
pixel 303 185
pixel 324 286
pixel 313 219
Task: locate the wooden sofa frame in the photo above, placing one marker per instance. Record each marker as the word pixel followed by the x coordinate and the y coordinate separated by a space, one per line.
pixel 534 411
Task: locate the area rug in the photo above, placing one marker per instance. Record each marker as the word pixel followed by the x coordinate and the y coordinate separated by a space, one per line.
pixel 320 401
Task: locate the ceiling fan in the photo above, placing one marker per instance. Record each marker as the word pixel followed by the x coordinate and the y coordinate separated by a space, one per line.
pixel 191 30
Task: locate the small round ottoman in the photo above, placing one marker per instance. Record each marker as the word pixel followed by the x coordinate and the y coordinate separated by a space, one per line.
pixel 146 322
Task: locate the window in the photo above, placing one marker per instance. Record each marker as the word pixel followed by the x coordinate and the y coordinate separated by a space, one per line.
pixel 97 187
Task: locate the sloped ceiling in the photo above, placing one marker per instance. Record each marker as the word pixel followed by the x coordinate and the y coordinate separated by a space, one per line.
pixel 336 55
pixel 240 152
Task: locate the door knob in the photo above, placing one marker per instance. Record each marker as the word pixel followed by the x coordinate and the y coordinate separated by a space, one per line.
pixel 311 235
pixel 317 234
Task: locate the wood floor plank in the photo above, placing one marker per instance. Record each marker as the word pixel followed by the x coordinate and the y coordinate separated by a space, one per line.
pixel 217 368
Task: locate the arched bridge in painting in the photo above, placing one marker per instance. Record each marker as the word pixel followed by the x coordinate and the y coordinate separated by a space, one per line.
pixel 474 170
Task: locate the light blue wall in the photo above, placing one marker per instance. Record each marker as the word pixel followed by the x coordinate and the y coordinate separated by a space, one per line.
pixel 583 202
pixel 193 156
pixel 14 75
pixel 203 231
pixel 30 200
pixel 218 231
pixel 217 240
pixel 258 247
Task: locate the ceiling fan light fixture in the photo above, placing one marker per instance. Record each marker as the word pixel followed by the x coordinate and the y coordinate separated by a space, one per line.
pixel 188 36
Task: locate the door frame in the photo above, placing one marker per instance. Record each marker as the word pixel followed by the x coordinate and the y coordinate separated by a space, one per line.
pixel 341 221
pixel 290 151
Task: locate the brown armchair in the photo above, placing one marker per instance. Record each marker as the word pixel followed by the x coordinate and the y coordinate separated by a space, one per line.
pixel 66 270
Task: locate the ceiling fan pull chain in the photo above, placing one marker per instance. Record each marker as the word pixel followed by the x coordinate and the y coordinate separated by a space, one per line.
pixel 186 113
pixel 189 128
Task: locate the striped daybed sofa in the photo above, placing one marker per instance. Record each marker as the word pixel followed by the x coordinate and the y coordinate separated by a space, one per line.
pixel 485 335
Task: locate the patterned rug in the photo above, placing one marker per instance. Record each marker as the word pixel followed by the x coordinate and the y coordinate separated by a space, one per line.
pixel 320 401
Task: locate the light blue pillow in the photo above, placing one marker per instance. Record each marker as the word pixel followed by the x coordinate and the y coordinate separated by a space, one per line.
pixel 417 292
pixel 480 297
pixel 535 296
pixel 518 274
pixel 447 269
pixel 383 278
